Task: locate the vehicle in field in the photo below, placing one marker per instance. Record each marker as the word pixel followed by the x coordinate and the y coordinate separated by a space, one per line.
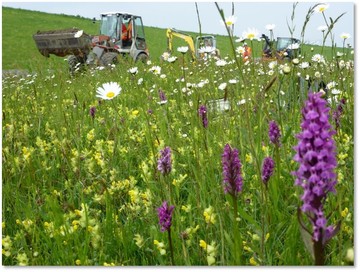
pixel 203 45
pixel 284 48
pixel 120 34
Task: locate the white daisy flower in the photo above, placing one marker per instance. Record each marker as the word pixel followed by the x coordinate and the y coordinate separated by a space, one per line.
pixel 233 81
pixel 304 65
pixel 322 28
pixel 331 85
pixel 335 91
pixel 165 56
pixel 251 34
pixel 318 58
pixel 229 21
pixel 171 59
pixel 206 49
pixel 108 91
pixel 321 8
pixel 345 36
pixel 222 86
pixel 270 27
pixel 183 49
pixel 156 70
pixel 133 70
pixel 240 50
pixel 220 63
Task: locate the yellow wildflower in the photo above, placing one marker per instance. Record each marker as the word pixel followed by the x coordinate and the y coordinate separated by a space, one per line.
pixel 211 260
pixel 210 215
pixel 253 261
pixel 22 259
pixel 350 255
pixel 139 240
pixel 6 244
pixel 345 212
pixel 203 244
pixel 91 135
pixel 248 158
pixel 108 264
pixel 267 236
pixel 160 246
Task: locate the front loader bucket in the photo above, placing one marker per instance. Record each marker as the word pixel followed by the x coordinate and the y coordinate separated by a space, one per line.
pixel 63 42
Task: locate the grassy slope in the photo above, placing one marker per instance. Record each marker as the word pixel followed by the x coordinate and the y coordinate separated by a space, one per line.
pixel 19 26
pixel 20 52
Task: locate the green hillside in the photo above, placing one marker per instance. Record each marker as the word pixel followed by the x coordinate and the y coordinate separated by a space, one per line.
pixel 19 50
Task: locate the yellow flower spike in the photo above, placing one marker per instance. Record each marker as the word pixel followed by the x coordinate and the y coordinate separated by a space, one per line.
pixel 108 264
pixel 135 113
pixel 267 236
pixel 139 240
pixel 248 158
pixel 186 208
pixel 22 259
pixel 203 244
pixel 253 261
pixel 210 260
pixel 91 135
pixel 248 249
pixel 256 237
pixel 350 255
pixel 78 212
pixel 211 249
pixel 265 149
pixel 209 215
pixel 345 212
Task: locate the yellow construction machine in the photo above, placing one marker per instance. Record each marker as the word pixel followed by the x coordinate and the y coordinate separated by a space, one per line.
pixel 203 46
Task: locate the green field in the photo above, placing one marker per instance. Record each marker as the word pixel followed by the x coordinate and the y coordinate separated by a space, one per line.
pixel 20 52
pixel 85 176
pixel 18 31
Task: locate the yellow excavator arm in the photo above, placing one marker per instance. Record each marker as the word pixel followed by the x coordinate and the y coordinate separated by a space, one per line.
pixel 171 32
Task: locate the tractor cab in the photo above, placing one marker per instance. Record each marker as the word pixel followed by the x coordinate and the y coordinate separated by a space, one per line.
pixel 125 33
pixel 288 45
pixel 282 48
pixel 205 44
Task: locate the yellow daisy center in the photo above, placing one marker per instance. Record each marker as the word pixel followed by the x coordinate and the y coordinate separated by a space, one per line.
pixel 110 94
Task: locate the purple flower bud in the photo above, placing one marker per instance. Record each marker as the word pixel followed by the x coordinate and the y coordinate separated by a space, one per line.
pixel 267 169
pixel 316 156
pixel 92 111
pixel 338 112
pixel 164 162
pixel 202 113
pixel 274 133
pixel 165 216
pixel 232 178
pixel 162 96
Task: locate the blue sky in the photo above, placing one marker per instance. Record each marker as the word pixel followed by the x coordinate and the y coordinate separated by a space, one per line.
pixel 182 15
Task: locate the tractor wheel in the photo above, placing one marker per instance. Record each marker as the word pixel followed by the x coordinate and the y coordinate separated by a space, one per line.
pixel 142 57
pixel 75 64
pixel 109 58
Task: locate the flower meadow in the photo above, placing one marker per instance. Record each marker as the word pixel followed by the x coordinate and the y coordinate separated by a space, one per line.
pixel 172 162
